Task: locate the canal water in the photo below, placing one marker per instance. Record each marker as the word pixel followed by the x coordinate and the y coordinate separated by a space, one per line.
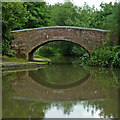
pixel 61 91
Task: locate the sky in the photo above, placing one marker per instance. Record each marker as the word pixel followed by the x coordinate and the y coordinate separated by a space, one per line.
pixel 80 3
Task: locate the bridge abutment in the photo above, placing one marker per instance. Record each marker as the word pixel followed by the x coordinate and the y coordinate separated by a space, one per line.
pixel 30 56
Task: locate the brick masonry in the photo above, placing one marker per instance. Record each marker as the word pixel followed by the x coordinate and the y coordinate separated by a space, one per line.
pixel 28 40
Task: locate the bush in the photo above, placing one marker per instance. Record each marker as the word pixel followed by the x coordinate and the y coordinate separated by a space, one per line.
pixel 105 56
pixel 116 59
pixel 45 52
pixel 11 53
pixel 78 51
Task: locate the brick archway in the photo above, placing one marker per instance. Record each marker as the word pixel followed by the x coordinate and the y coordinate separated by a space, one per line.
pixel 28 40
pixel 30 53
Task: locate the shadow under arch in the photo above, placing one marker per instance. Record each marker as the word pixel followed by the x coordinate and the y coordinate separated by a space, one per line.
pixel 36 76
pixel 30 53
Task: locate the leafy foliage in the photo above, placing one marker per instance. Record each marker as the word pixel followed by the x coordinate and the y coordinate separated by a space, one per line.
pixel 105 56
pixel 38 15
pixel 14 16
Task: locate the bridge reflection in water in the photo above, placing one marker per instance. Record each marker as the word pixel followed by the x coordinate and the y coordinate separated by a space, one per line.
pixel 61 86
pixel 58 83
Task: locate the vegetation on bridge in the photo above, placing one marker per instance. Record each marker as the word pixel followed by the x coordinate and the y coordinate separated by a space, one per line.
pixel 20 15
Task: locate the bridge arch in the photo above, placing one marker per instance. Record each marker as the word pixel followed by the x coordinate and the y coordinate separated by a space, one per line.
pixel 28 40
pixel 31 52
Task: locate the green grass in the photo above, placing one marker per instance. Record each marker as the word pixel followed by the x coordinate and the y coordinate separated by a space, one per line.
pixel 46 59
pixel 18 60
pixel 10 59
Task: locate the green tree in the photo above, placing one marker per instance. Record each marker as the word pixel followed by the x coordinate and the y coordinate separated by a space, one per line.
pixel 38 15
pixel 14 16
pixel 111 20
pixel 63 14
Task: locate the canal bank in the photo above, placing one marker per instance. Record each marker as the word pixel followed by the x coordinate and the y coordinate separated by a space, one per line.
pixel 9 63
pixel 20 66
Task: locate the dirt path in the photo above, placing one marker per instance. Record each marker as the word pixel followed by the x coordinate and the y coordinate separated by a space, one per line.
pixel 39 59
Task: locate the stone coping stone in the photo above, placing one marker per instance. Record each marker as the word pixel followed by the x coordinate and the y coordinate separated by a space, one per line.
pixel 65 27
pixel 27 63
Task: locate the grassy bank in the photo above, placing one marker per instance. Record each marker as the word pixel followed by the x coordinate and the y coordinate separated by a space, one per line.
pixel 19 60
pixel 11 59
pixel 9 63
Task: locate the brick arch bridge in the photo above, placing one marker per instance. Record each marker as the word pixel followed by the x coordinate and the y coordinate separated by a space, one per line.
pixel 26 41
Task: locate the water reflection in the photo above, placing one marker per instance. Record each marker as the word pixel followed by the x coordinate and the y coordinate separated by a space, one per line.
pixel 75 111
pixel 93 92
pixel 60 76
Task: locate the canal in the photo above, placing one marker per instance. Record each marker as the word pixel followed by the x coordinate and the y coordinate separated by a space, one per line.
pixel 61 91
